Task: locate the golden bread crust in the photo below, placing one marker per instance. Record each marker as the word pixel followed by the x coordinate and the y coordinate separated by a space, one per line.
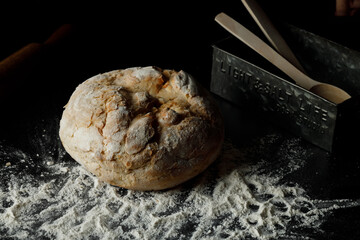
pixel 142 128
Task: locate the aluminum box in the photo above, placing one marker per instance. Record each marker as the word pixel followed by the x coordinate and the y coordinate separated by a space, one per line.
pixel 242 77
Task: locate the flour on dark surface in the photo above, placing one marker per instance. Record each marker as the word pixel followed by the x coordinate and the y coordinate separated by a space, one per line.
pixel 245 194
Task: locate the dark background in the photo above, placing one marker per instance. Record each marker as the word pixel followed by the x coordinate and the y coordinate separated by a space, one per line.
pixel 186 16
pixel 175 35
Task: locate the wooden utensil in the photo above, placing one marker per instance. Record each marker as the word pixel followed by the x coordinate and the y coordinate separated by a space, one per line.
pixel 327 91
pixel 15 67
pixel 271 33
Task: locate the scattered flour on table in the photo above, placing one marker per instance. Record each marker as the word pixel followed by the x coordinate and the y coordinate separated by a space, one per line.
pixel 52 197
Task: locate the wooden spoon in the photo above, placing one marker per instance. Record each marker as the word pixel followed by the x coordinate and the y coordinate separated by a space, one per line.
pixel 327 91
pixel 271 33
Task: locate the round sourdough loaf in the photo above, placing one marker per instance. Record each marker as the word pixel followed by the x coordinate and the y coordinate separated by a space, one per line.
pixel 142 128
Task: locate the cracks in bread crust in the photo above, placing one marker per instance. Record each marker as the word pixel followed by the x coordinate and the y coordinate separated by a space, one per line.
pixel 142 128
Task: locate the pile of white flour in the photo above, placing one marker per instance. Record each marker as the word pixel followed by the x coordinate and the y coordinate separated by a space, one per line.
pixel 238 197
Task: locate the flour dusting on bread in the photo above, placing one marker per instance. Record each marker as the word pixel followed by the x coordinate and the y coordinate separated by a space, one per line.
pixel 142 128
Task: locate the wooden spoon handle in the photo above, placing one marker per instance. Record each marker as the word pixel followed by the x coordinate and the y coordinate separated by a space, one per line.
pixel 259 46
pixel 271 33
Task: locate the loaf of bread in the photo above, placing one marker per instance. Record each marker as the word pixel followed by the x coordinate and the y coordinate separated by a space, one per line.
pixel 142 128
